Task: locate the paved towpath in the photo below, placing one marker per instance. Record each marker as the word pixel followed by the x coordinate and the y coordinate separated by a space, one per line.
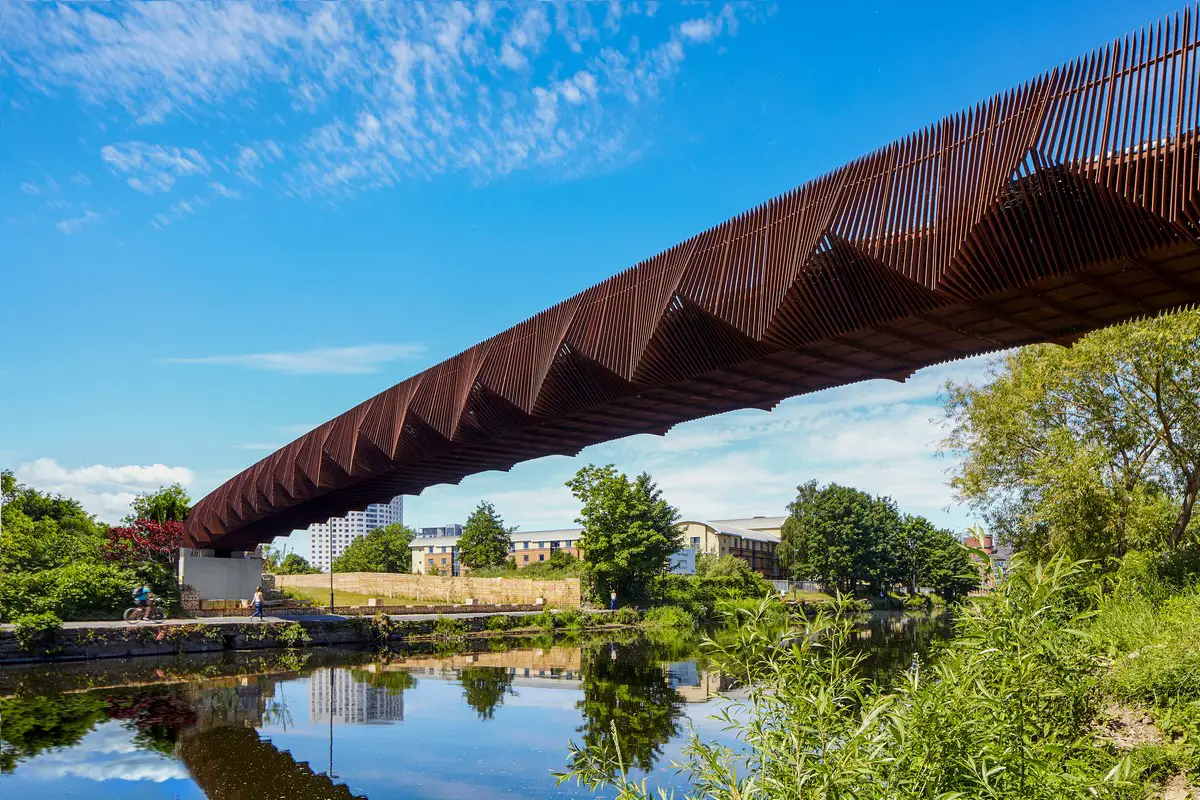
pixel 289 618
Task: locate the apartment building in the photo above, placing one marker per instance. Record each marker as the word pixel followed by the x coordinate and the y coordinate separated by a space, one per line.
pixel 754 541
pixel 348 528
pixel 721 538
pixel 440 553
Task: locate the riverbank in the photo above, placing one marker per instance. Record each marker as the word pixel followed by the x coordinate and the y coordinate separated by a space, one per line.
pixel 81 641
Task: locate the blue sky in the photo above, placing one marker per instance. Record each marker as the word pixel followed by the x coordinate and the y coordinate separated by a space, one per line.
pixel 225 224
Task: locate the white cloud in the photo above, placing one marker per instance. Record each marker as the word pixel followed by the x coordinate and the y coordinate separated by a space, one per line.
pixel 153 168
pixel 106 753
pixel 47 186
pixel 356 360
pixel 380 92
pixel 178 210
pixel 105 491
pixel 74 225
pixel 699 30
pixel 224 191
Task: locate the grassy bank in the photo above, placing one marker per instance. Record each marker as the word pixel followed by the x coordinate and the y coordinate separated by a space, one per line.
pixel 1058 686
pixel 320 597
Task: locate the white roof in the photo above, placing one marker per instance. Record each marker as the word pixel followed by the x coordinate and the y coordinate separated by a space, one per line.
pixel 731 530
pixel 753 523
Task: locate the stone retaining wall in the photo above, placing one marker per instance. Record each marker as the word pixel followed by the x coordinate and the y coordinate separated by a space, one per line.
pixel 562 593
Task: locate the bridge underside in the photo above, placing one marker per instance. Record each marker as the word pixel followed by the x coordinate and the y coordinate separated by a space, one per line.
pixel 1066 205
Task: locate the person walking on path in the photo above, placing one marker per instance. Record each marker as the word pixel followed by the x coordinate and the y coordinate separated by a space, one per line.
pixel 612 600
pixel 258 603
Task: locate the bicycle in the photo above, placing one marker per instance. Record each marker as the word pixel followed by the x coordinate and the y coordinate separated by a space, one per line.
pixel 153 612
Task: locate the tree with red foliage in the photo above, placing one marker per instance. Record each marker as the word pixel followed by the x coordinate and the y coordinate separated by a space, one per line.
pixel 144 540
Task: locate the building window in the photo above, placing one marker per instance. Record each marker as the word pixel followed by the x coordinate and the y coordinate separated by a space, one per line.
pixel 541 556
pixel 431 548
pixel 525 546
pixel 526 559
pixel 443 561
pixel 696 542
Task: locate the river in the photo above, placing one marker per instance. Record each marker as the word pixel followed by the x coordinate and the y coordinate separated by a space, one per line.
pixel 491 722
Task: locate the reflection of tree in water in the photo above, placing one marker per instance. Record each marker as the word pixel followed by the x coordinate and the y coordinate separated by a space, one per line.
pixel 626 690
pixel 484 688
pixel 157 716
pixel 395 681
pixel 891 641
pixel 31 725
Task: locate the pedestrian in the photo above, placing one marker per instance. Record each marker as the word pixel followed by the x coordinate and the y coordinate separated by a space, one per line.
pixel 612 600
pixel 258 603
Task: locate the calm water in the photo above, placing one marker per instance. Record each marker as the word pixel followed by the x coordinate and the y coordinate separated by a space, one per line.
pixel 494 723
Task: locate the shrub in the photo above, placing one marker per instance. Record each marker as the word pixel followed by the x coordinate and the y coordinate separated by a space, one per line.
pixel 293 635
pixel 449 628
pixel 36 629
pixel 917 602
pixel 83 590
pixel 570 618
pixel 669 618
pixel 500 622
pixel 627 615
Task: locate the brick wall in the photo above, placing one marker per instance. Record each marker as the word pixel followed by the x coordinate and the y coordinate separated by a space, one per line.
pixel 561 593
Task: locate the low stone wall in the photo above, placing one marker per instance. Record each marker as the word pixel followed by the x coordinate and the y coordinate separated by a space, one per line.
pixel 562 593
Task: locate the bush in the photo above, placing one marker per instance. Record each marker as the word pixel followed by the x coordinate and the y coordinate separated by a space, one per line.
pixel 699 595
pixel 918 602
pixel 501 622
pixel 570 618
pixel 37 629
pixel 670 618
pixel 83 590
pixel 627 615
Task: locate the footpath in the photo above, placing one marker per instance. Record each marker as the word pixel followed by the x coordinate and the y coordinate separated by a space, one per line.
pixel 76 641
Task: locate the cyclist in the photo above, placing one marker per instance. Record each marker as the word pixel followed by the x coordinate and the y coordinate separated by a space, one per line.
pixel 141 599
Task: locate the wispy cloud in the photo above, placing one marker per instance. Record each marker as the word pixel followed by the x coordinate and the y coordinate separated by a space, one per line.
pixel 357 360
pixel 104 490
pixel 73 225
pixel 153 168
pixel 46 186
pixel 379 93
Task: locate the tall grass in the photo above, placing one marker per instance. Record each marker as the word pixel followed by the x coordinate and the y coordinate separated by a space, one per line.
pixel 1003 711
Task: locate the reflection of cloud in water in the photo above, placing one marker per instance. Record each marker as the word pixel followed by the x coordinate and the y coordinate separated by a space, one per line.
pixel 106 753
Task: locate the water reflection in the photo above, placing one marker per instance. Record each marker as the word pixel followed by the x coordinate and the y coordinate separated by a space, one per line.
pixel 342 724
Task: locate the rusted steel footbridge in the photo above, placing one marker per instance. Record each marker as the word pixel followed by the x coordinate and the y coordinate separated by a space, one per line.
pixel 1064 205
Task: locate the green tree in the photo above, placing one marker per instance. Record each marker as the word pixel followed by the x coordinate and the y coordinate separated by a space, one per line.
pixel 841 537
pixel 484 688
pixel 629 531
pixel 381 550
pixel 485 540
pixel 167 504
pixel 39 531
pixel 295 564
pixel 1093 449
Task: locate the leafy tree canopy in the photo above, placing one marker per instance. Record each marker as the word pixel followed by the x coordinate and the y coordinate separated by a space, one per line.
pixel 167 504
pixel 1094 449
pixel 485 540
pixel 484 688
pixel 381 550
pixel 295 564
pixel 629 531
pixel 39 531
pixel 840 536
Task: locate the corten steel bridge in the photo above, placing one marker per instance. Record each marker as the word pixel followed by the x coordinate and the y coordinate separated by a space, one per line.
pixel 1062 206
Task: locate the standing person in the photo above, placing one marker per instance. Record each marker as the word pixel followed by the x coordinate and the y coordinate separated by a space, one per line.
pixel 258 603
pixel 612 600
